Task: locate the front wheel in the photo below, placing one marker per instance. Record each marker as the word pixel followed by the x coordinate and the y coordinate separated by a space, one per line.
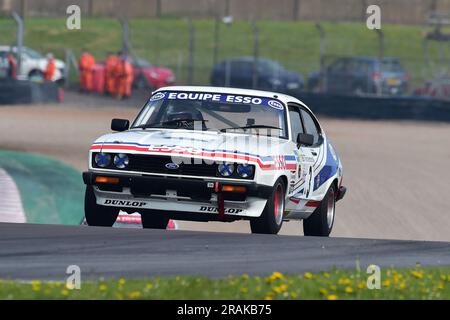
pixel 271 219
pixel 152 219
pixel 320 222
pixel 96 215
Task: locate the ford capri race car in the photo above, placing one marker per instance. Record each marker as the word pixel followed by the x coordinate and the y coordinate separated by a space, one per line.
pixel 216 154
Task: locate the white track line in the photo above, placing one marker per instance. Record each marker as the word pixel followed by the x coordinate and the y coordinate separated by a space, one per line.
pixel 11 209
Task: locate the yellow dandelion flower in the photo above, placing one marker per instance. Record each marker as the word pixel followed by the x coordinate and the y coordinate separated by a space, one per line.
pixel 35 285
pixel 441 285
pixel 103 287
pixel 134 294
pixel 277 275
pixel 402 285
pixel 294 295
pixel 386 282
pixel 323 291
pixel 149 286
pixel 417 274
pixel 269 296
pixel 65 292
pixel 326 275
pixel 344 281
pixel 277 289
pixel 244 290
pixel 348 290
pixel 122 281
pixel 362 285
pixel 332 297
pixel 308 275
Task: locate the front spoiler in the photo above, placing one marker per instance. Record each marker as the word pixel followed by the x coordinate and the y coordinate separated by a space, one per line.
pixel 156 193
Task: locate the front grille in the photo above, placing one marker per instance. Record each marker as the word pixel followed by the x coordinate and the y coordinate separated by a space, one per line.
pixel 157 164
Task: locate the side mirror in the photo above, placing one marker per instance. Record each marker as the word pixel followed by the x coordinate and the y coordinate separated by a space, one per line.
pixel 120 125
pixel 305 140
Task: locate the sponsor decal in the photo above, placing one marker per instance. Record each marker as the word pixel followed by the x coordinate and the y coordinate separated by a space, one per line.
pixel 125 203
pixel 172 166
pixel 216 210
pixel 225 98
pixel 275 104
pixel 158 96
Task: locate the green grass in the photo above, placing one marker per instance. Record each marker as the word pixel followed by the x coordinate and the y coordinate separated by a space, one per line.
pixel 165 42
pixel 51 191
pixel 417 283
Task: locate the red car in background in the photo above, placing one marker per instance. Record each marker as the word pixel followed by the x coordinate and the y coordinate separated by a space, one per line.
pixel 147 76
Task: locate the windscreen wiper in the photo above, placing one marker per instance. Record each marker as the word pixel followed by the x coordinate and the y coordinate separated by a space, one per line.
pixel 255 126
pixel 169 122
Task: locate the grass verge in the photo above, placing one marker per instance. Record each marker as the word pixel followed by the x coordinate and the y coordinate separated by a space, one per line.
pixel 415 283
pixel 51 191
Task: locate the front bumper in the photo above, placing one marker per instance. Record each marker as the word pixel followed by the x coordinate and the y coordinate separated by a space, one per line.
pixel 201 195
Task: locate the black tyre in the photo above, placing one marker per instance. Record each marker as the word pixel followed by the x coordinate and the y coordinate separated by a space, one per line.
pixel 320 222
pixel 271 219
pixel 152 219
pixel 96 215
pixel 36 76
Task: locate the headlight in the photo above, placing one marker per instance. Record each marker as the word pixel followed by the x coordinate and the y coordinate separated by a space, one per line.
pixel 102 160
pixel 226 169
pixel 121 160
pixel 245 170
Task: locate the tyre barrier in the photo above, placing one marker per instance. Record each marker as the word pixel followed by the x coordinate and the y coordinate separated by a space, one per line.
pixel 27 92
pixel 377 108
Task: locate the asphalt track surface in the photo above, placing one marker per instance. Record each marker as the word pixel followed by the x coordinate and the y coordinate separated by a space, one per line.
pixel 30 252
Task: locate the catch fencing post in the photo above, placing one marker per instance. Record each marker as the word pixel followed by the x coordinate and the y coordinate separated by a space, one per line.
pixel 216 39
pixel 255 54
pixel 19 39
pixel 380 53
pixel 191 28
pixel 125 36
pixel 322 78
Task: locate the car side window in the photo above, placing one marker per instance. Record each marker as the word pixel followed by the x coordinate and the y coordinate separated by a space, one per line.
pixel 311 126
pixel 296 123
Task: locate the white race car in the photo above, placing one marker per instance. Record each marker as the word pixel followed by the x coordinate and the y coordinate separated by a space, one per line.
pixel 216 154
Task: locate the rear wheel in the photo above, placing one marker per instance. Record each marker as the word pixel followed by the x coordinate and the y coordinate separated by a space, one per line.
pixel 271 219
pixel 152 219
pixel 320 222
pixel 96 215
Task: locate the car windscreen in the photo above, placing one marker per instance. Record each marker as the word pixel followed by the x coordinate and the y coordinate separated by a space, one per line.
pixel 214 112
pixel 391 66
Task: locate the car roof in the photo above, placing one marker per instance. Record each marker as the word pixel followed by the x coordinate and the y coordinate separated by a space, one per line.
pixel 368 58
pixel 237 91
pixel 248 59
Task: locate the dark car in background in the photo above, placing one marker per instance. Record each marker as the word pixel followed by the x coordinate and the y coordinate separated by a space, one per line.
pixel 362 75
pixel 270 75
pixel 147 76
pixel 4 65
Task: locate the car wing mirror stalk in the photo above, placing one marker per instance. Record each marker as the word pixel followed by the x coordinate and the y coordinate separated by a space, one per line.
pixel 304 139
pixel 120 125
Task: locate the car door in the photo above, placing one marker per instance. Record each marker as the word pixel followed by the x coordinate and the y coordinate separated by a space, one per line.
pixel 315 153
pixel 306 156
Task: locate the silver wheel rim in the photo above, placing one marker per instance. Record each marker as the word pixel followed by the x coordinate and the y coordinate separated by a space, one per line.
pixel 330 210
pixel 278 205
